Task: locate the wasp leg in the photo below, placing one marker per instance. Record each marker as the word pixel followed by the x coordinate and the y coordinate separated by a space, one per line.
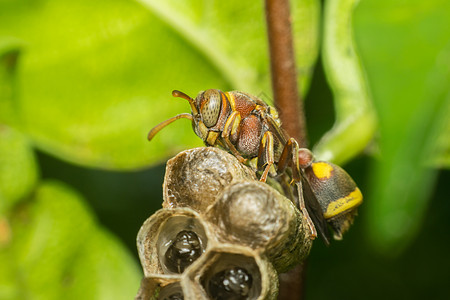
pixel 266 155
pixel 231 128
pixel 290 158
pixel 302 207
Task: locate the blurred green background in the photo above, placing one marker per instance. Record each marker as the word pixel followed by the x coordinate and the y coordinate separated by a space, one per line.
pixel 81 84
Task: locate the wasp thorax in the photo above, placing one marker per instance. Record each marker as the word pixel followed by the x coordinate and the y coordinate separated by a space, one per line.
pixel 274 113
pixel 210 104
pixel 183 251
pixel 233 283
pixel 171 292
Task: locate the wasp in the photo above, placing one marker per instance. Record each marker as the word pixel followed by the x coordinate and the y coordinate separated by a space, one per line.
pixel 251 130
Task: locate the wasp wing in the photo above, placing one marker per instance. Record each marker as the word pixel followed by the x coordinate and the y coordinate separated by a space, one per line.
pixel 315 210
pixel 275 128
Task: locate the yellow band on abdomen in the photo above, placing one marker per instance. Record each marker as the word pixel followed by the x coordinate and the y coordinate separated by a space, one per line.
pixel 343 204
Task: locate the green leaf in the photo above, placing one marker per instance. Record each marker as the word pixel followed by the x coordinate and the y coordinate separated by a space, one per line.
pixel 406 53
pixel 231 35
pixel 18 169
pixel 9 53
pixel 53 240
pixel 104 270
pixel 355 117
pixel 94 82
pixel 439 142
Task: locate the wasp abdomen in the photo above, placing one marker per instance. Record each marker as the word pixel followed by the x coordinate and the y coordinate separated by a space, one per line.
pixel 336 192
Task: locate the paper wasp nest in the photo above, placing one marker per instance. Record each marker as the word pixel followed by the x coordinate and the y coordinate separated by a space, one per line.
pixel 252 213
pixel 194 178
pixel 222 234
pixel 161 287
pixel 230 271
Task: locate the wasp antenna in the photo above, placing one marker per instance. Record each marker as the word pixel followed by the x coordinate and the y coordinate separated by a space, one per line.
pixel 163 124
pixel 179 94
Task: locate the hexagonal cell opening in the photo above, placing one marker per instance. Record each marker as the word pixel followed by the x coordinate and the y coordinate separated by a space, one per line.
pixel 151 286
pixel 232 276
pixel 181 241
pixel 171 292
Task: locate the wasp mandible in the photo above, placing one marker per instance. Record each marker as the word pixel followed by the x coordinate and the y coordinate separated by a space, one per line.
pixel 251 130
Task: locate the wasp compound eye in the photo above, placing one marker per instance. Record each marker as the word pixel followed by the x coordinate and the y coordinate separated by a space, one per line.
pixel 210 107
pixel 183 251
pixel 171 292
pixel 234 284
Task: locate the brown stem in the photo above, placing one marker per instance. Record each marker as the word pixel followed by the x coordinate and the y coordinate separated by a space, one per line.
pixel 283 70
pixel 291 283
pixel 289 104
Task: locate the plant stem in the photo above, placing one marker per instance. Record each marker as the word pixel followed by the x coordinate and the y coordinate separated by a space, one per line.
pixel 283 70
pixel 288 102
pixel 291 283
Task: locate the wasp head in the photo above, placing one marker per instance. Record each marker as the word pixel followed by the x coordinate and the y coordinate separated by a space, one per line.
pixel 205 110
